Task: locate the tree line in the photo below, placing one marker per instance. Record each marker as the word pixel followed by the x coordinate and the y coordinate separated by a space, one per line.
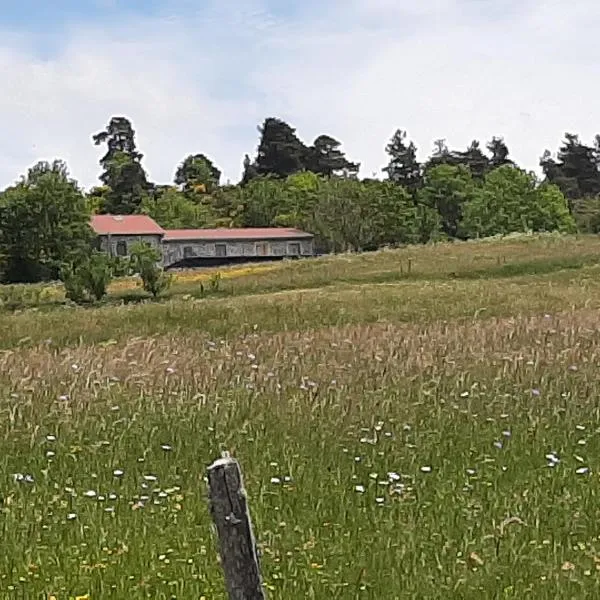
pixel 454 194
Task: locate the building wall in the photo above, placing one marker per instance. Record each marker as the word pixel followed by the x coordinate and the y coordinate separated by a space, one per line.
pixel 174 250
pixel 109 244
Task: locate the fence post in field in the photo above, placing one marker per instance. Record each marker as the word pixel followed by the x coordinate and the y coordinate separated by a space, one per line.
pixel 237 546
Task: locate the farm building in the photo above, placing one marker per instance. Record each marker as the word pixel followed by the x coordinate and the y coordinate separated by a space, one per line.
pixel 200 247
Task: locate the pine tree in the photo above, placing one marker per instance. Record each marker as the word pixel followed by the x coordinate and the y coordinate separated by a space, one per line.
pixel 403 167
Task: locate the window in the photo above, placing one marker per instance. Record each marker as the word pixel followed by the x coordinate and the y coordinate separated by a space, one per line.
pixel 220 249
pixel 188 252
pixel 262 248
pixel 294 248
pixel 122 248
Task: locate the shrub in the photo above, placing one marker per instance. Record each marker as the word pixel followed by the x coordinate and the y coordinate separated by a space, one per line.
pixel 144 261
pixel 89 280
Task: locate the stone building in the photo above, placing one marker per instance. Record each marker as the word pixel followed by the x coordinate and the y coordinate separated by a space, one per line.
pixel 200 247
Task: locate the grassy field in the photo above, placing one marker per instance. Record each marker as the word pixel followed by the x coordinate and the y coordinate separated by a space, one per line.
pixel 420 423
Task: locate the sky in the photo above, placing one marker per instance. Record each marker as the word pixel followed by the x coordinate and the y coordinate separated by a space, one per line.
pixel 199 76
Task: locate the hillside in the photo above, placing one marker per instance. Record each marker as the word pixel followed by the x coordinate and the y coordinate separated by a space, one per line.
pixel 411 423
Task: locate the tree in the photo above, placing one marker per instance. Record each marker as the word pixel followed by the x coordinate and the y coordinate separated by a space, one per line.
pixel 403 168
pixel 473 158
pixel 511 200
pixel 249 172
pixel 172 209
pixel 441 155
pixel 577 168
pixel 280 151
pixel 325 158
pixel 499 151
pixel 264 199
pixel 44 224
pixel 447 189
pixel 122 169
pixel 197 171
pixel 144 261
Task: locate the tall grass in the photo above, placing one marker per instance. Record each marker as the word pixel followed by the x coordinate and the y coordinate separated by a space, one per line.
pixel 413 439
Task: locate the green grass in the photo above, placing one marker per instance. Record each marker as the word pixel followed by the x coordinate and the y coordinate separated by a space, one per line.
pixel 393 433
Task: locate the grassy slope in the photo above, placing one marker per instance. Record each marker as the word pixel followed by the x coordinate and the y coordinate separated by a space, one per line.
pixel 459 377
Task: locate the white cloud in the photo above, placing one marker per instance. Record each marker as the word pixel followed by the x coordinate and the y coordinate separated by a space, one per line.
pixel 459 69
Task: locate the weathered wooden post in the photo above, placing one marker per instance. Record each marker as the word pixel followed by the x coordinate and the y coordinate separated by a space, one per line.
pixel 237 546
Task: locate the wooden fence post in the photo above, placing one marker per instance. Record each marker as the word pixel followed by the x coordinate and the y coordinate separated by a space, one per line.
pixel 237 546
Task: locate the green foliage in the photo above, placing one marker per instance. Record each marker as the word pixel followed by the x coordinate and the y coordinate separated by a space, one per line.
pixel 325 158
pixel 195 171
pixel 576 170
pixel 122 172
pixel 280 151
pixel 44 223
pixel 214 283
pixel 19 296
pixel 446 190
pixel 510 200
pixel 173 209
pixel 144 261
pixel 88 280
pixel 499 152
pixel 586 212
pixel 403 167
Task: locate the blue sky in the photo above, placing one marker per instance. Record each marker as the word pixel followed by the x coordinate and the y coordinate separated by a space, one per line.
pixel 201 76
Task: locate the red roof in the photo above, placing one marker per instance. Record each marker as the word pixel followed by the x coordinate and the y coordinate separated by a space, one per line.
pixel 241 233
pixel 125 225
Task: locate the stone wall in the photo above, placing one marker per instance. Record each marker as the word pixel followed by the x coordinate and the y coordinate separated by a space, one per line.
pixel 174 251
pixel 110 243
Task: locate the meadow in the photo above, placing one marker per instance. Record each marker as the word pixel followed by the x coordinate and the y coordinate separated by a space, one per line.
pixel 415 423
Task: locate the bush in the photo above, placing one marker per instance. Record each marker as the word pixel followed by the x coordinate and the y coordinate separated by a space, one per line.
pixel 89 280
pixel 144 261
